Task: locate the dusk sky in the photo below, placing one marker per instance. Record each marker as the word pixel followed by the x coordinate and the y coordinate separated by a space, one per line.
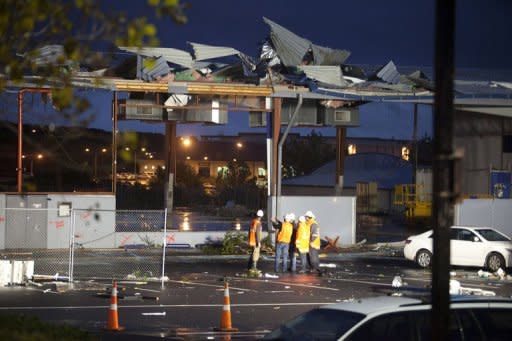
pixel 375 32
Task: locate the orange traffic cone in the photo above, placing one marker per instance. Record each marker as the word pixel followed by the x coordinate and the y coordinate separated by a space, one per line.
pixel 225 319
pixel 113 320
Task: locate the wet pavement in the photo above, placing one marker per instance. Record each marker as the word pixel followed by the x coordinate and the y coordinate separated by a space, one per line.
pixel 190 304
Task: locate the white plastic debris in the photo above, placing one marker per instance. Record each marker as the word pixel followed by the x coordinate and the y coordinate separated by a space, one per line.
pixel 501 274
pixel 327 265
pixel 267 275
pixel 397 282
pixel 484 274
pixel 154 314
pixel 454 287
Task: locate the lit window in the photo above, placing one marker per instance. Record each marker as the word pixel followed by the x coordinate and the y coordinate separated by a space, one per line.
pixel 405 153
pixel 222 170
pixel 352 149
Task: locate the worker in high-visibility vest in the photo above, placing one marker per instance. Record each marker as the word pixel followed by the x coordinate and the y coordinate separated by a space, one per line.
pixel 293 249
pixel 283 237
pixel 254 239
pixel 302 242
pixel 314 242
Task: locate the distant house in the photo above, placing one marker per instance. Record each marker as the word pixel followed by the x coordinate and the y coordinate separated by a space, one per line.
pixel 209 157
pixel 384 170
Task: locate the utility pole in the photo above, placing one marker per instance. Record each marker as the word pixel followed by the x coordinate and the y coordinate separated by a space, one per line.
pixel 444 166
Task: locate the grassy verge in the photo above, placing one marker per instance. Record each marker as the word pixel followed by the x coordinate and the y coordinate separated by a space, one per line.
pixel 23 327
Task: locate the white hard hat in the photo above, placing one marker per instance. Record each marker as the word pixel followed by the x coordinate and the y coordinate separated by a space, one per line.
pixel 302 219
pixel 292 216
pixel 259 213
pixel 309 214
pixel 287 217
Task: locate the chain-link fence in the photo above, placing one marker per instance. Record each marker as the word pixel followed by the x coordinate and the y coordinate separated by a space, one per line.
pixel 85 244
pixel 110 244
pixel 37 234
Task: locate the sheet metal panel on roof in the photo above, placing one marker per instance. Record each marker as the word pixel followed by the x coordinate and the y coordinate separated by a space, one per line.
pixel 289 46
pixel 171 55
pixel 154 70
pixel 48 54
pixel 204 52
pixel 324 73
pixel 389 73
pixel 327 56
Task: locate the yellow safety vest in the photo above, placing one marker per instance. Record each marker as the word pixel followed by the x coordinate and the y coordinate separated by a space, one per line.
pixel 252 232
pixel 303 235
pixel 315 243
pixel 285 234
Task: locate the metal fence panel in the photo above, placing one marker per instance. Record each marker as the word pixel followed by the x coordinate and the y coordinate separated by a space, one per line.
pixel 27 235
pixel 118 244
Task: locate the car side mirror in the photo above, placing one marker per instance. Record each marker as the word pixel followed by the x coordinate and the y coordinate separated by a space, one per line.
pixel 476 239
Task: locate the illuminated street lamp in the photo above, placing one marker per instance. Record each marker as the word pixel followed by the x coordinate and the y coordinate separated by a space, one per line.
pixel 135 152
pixel 95 159
pixel 186 141
pixel 33 157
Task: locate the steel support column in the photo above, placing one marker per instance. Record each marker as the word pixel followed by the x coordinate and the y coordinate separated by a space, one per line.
pixel 115 112
pixel 276 129
pixel 341 135
pixel 170 164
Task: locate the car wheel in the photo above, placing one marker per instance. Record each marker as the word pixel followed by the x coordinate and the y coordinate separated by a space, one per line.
pixel 424 258
pixel 495 261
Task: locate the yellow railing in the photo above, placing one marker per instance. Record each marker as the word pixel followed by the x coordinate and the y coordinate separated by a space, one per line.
pixel 416 201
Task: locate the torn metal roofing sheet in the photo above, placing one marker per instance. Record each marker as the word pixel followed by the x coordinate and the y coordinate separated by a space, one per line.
pixel 49 54
pixel 328 56
pixel 388 73
pixel 153 69
pixel 204 52
pixel 171 55
pixel 291 48
pixel 325 74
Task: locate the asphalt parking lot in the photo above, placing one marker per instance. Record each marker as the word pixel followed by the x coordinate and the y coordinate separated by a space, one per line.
pixel 190 303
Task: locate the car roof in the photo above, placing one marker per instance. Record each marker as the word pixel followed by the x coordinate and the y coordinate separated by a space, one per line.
pixel 371 305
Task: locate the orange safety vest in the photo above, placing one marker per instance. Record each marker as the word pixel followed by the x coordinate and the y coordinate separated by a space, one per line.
pixel 315 243
pixel 285 233
pixel 252 232
pixel 303 235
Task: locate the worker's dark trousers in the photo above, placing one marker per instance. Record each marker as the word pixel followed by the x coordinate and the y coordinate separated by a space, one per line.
pixel 314 259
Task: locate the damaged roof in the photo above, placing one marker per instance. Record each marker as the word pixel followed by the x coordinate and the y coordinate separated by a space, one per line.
pixel 286 64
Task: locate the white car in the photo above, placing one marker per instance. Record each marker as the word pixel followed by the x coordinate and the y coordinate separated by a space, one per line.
pixel 399 318
pixel 469 246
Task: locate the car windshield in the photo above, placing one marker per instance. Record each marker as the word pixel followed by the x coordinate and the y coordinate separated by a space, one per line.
pixel 492 235
pixel 317 324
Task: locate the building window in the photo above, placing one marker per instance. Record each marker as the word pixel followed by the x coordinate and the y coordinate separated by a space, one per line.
pixel 352 149
pixel 405 153
pixel 222 171
pixel 204 169
pixel 262 172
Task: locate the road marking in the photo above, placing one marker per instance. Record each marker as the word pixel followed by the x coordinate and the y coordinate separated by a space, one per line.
pixel 210 285
pixel 160 306
pixel 144 289
pixel 294 284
